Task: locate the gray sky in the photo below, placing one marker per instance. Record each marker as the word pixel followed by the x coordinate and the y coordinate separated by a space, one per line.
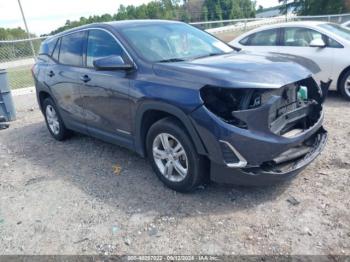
pixel 44 16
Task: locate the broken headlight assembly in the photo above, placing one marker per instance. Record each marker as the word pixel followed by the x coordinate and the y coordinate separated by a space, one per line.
pixel 286 111
pixel 224 101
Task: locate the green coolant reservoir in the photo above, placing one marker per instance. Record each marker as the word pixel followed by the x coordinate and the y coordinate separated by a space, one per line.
pixel 302 93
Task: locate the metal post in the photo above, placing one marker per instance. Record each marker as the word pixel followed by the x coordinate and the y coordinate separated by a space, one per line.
pixel 286 4
pixel 26 26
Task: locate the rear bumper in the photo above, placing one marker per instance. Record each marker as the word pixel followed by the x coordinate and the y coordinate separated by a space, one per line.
pixel 260 176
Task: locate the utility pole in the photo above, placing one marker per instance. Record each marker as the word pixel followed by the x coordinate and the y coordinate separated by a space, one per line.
pixel 286 4
pixel 26 26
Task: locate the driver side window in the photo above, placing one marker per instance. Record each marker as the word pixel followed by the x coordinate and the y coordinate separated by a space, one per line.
pixel 101 44
pixel 298 36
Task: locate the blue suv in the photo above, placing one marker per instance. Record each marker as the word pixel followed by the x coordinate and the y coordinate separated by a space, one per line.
pixel 196 107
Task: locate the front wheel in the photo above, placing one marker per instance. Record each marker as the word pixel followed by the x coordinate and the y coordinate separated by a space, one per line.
pixel 344 87
pixel 173 156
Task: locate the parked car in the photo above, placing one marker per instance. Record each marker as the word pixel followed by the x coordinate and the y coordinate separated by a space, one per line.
pixel 327 44
pixel 187 101
pixel 346 24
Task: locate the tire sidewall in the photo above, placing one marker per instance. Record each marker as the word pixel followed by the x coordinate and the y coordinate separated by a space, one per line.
pixel 170 127
pixel 342 86
pixel 61 135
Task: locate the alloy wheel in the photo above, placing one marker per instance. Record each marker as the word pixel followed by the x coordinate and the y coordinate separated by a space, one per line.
pixel 52 120
pixel 170 157
pixel 347 86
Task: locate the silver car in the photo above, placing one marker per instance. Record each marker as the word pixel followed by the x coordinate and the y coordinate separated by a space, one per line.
pixel 327 44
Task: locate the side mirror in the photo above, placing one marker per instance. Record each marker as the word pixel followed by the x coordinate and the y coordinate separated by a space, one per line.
pixel 112 63
pixel 318 43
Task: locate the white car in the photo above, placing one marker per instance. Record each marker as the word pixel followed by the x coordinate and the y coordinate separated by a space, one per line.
pixel 346 24
pixel 326 44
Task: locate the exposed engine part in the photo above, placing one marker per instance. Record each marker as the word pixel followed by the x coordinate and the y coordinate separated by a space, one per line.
pixel 325 88
pixel 223 101
pixel 286 111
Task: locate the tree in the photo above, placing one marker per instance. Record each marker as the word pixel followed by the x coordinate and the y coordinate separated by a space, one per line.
pixel 229 9
pixel 13 33
pixel 185 10
pixel 319 7
pixel 194 10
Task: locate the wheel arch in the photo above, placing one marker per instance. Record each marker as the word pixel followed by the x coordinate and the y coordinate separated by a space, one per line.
pixel 150 112
pixel 42 95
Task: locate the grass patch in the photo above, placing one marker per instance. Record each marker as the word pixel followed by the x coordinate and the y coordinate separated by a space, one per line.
pixel 20 77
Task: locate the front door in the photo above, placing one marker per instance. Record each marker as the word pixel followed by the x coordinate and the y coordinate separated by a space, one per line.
pixel 105 95
pixel 296 41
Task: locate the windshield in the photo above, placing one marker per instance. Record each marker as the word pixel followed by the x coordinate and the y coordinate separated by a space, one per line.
pixel 173 42
pixel 338 30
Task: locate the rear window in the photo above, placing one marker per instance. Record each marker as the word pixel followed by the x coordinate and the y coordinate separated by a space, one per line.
pixel 263 38
pixel 57 50
pixel 47 47
pixel 71 51
pixel 244 41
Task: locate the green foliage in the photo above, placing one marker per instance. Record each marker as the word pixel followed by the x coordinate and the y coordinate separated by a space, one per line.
pixel 184 10
pixel 228 9
pixel 319 7
pixel 12 33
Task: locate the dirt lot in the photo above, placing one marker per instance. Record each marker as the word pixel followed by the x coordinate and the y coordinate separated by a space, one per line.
pixel 64 198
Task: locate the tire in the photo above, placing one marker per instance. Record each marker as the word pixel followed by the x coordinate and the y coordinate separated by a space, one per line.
pixel 171 130
pixel 344 85
pixel 54 121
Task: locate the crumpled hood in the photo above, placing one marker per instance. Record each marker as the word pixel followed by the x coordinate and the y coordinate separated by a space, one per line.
pixel 240 70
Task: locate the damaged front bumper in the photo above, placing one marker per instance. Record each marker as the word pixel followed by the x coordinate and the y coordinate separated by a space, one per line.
pixel 266 175
pixel 267 149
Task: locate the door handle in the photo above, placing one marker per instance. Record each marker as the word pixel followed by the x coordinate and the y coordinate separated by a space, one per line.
pixel 85 78
pixel 51 74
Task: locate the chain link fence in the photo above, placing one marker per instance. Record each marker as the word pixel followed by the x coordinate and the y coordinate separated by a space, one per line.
pixel 17 57
pixel 227 30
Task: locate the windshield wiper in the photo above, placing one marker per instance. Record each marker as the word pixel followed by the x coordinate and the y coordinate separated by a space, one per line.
pixel 171 60
pixel 207 55
pixel 237 49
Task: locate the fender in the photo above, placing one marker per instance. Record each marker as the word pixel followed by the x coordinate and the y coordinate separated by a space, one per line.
pixel 44 89
pixel 172 110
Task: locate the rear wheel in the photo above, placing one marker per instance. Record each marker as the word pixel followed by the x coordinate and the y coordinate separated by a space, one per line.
pixel 173 156
pixel 53 120
pixel 344 87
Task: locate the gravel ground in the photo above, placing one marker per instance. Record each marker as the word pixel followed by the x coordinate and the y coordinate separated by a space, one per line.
pixel 64 198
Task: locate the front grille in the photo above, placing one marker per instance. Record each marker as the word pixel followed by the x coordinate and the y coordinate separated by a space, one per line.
pixel 291 112
pixel 287 103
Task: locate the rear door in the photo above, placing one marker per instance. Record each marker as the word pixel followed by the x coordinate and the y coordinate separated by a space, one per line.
pixel 43 61
pixel 64 78
pixel 105 96
pixel 296 41
pixel 263 41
